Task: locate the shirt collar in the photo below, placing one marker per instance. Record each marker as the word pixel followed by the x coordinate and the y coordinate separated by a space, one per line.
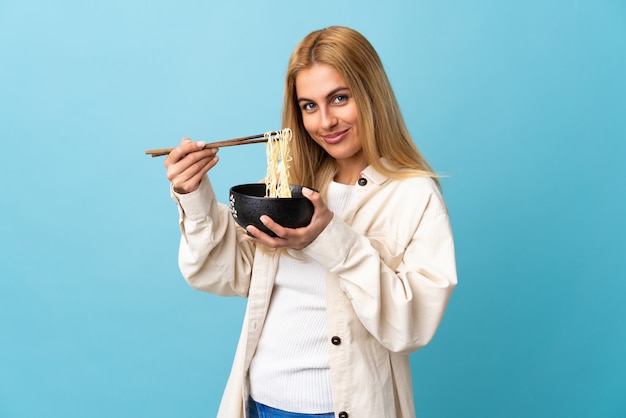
pixel 372 174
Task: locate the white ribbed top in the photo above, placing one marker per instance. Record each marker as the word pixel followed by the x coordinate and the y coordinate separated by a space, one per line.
pixel 290 369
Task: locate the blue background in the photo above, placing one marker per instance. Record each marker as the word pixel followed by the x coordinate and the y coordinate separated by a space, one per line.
pixel 521 105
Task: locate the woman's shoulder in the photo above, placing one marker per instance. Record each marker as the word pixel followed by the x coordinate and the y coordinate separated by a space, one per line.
pixel 417 184
pixel 422 182
pixel 406 177
pixel 421 193
pixel 408 184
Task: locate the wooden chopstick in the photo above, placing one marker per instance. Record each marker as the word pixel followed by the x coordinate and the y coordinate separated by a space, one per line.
pixel 253 139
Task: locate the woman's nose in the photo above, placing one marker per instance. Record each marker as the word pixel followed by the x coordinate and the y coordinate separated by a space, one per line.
pixel 329 119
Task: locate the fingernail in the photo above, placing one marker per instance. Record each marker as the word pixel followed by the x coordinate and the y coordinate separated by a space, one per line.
pixel 201 144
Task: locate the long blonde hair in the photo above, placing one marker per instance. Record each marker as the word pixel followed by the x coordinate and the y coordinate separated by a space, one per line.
pixel 381 125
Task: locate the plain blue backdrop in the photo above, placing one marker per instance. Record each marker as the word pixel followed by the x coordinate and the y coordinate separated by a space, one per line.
pixel 521 105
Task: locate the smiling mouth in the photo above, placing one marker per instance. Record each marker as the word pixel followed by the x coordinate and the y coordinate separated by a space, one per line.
pixel 336 137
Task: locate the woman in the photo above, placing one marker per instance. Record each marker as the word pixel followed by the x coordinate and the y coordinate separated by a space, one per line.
pixel 334 308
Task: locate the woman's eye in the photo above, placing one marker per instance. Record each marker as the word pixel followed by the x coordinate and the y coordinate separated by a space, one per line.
pixel 340 99
pixel 308 106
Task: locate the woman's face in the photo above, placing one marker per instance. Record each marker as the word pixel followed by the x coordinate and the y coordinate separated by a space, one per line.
pixel 329 113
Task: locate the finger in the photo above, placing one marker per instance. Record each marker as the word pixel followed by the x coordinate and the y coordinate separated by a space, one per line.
pixel 189 179
pixel 185 148
pixel 197 168
pixel 188 161
pixel 179 152
pixel 321 212
pixel 312 195
pixel 296 238
pixel 258 236
pixel 272 226
pixel 203 169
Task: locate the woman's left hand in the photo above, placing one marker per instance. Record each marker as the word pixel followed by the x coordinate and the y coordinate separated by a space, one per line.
pixel 296 238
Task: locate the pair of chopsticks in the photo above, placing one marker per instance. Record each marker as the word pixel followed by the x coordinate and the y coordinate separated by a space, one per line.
pixel 254 139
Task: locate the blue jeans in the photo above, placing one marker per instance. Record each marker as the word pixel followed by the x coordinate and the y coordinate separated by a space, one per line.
pixel 258 410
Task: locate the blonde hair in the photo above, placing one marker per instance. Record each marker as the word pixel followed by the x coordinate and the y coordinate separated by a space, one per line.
pixel 381 125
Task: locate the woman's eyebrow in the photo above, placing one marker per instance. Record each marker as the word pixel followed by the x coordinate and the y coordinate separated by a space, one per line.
pixel 330 94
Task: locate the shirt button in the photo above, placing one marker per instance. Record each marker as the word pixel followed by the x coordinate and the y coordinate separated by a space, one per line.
pixel 336 341
pixel 343 414
pixel 362 181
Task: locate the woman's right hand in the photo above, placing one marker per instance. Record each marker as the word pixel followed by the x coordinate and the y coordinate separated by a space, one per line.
pixel 188 163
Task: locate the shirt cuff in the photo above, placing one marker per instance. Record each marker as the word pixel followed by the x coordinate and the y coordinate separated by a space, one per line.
pixel 333 245
pixel 197 204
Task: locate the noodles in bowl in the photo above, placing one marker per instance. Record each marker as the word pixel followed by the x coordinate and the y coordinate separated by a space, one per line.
pixel 248 203
pixel 277 198
pixel 278 159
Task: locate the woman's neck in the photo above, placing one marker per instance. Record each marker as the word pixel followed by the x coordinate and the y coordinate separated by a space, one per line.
pixel 350 172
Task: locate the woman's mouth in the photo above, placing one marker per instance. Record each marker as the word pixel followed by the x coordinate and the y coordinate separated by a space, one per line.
pixel 335 137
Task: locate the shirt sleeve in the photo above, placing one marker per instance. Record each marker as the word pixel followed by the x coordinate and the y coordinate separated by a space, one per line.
pixel 212 257
pixel 401 307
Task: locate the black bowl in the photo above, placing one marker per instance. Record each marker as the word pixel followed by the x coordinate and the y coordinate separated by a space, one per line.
pixel 248 203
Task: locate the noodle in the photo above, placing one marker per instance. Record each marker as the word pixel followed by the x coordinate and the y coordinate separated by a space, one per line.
pixel 278 158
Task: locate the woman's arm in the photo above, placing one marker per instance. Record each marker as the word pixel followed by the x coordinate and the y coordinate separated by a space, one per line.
pixel 212 257
pixel 400 306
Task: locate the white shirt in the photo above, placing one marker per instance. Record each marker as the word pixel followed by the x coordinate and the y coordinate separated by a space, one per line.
pixel 390 271
pixel 291 366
